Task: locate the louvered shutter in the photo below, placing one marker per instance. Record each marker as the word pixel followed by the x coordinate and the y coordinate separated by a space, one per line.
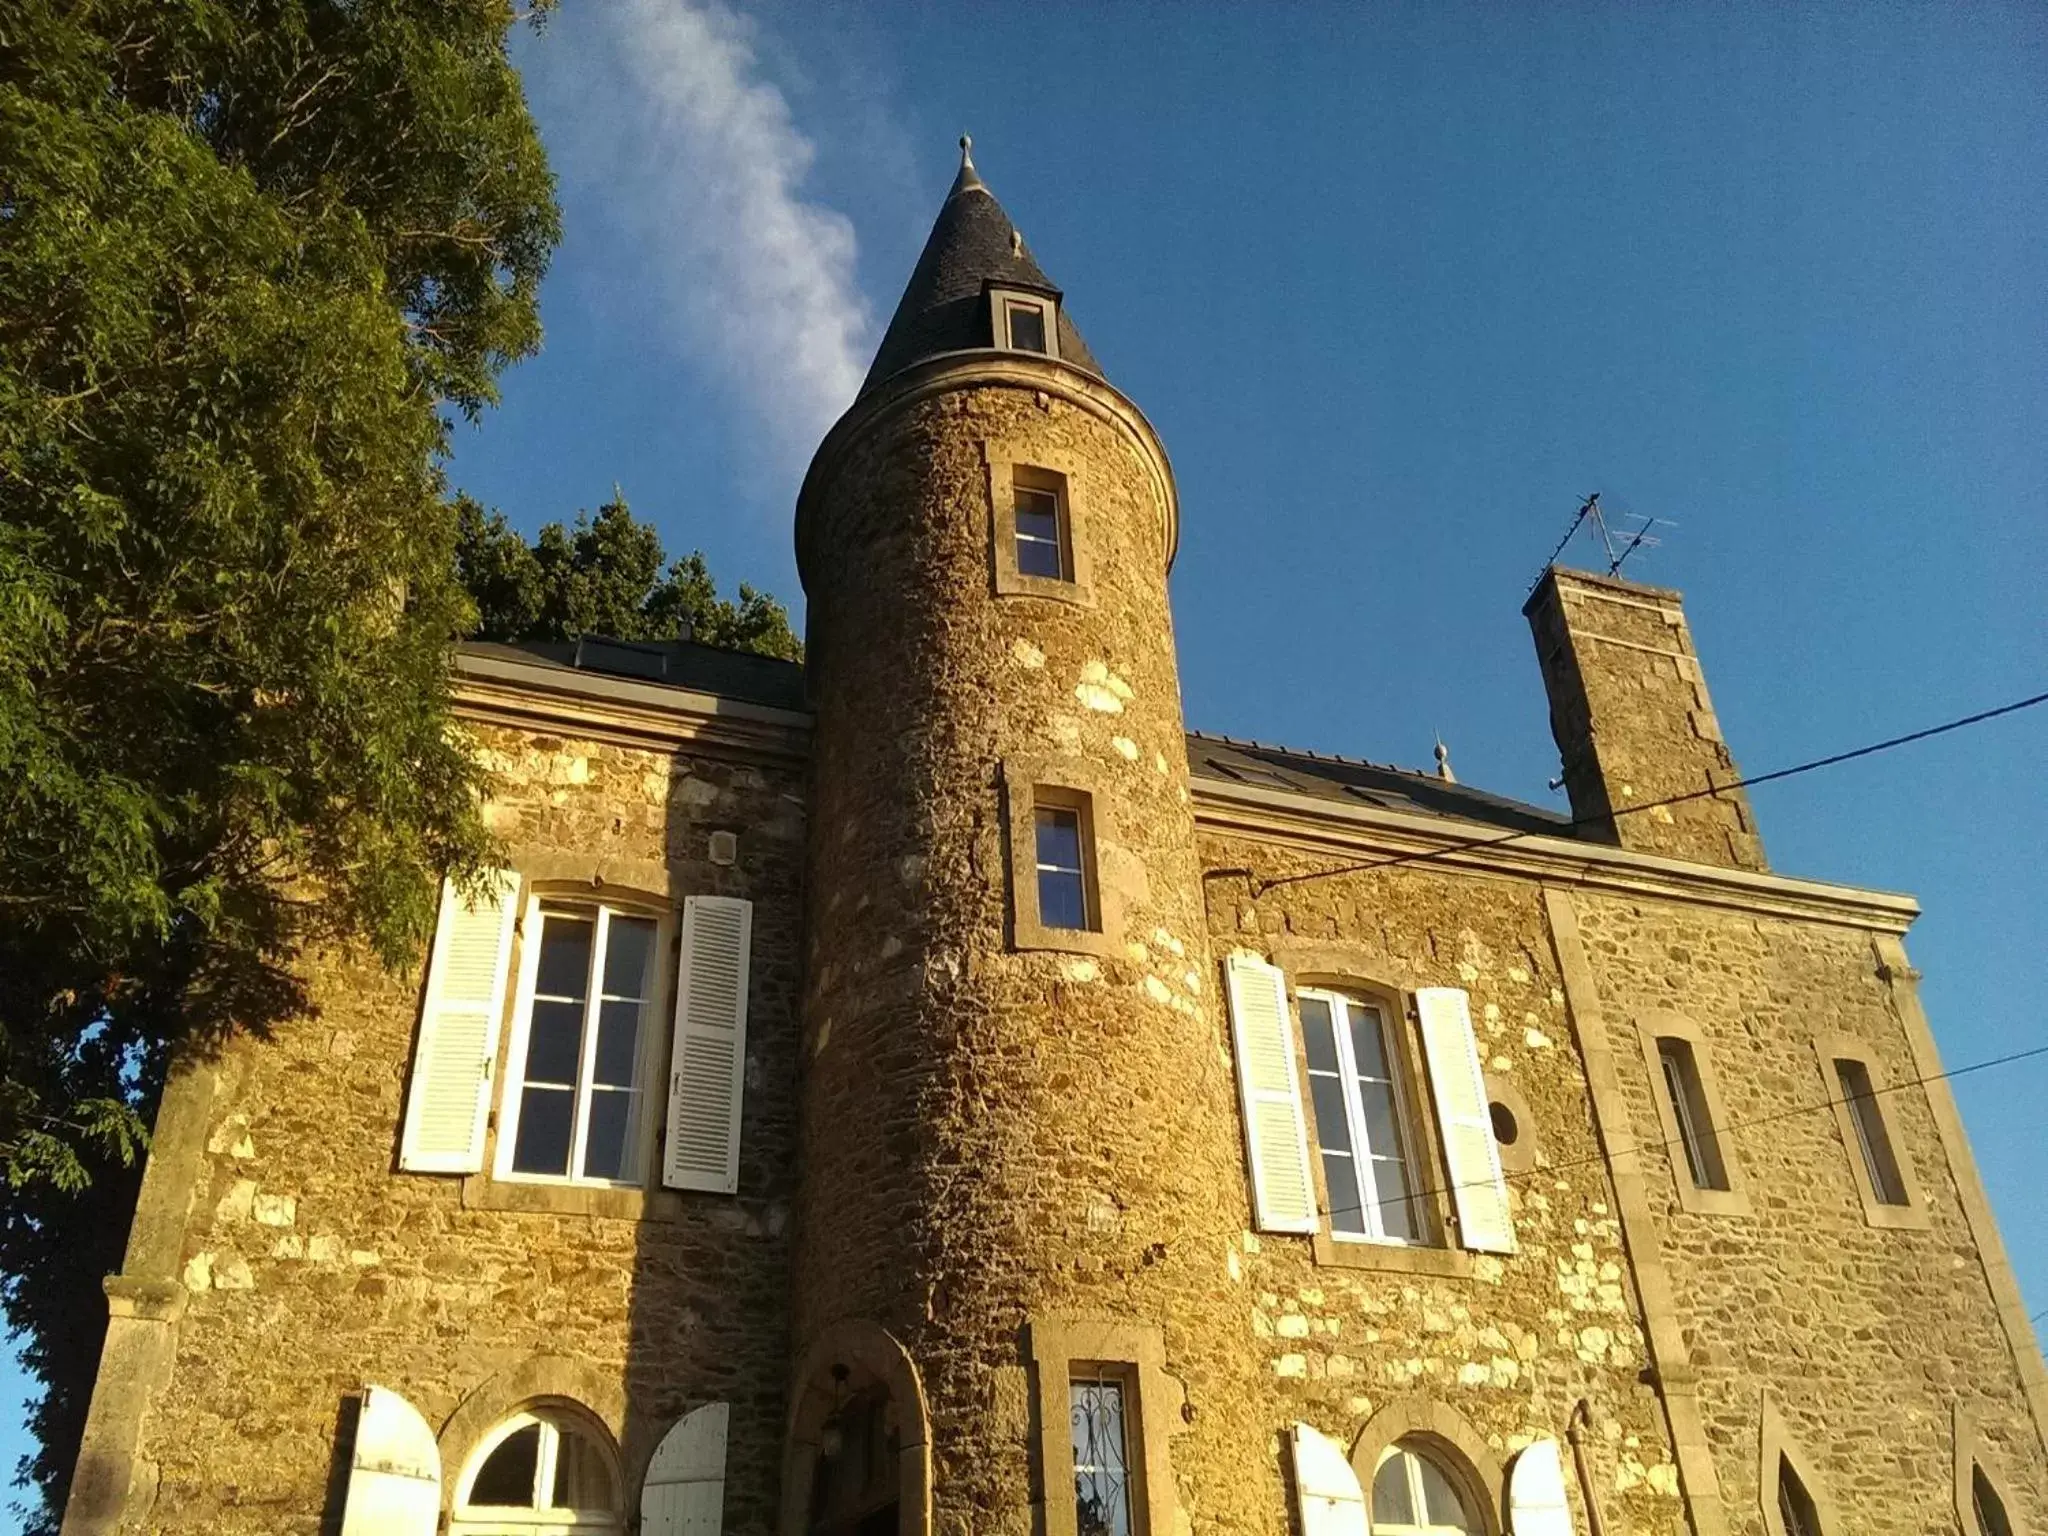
pixel 707 1070
pixel 1536 1505
pixel 684 1492
pixel 1325 1488
pixel 1276 1134
pixel 394 1474
pixel 1458 1087
pixel 458 1046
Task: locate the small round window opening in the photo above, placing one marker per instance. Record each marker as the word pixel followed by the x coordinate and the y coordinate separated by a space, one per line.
pixel 1507 1130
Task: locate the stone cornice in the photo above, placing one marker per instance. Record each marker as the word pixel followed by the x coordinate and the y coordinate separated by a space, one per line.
pixel 1356 832
pixel 989 367
pixel 538 696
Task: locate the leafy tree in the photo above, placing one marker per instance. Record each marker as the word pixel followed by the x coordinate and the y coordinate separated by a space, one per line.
pixel 604 576
pixel 251 254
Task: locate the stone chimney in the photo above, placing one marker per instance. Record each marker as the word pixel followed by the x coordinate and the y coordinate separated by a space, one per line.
pixel 1633 723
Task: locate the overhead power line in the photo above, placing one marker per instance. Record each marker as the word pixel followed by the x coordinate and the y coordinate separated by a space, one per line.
pixel 1728 1127
pixel 1495 840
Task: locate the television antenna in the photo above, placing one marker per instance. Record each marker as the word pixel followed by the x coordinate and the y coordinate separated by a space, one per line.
pixel 1620 534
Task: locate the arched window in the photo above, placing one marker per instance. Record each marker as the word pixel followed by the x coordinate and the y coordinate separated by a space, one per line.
pixel 542 1470
pixel 1795 1504
pixel 1987 1506
pixel 1413 1494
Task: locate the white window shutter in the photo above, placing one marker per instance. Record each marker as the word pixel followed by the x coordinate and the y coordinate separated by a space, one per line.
pixel 1458 1086
pixel 394 1474
pixel 684 1491
pixel 1536 1504
pixel 1325 1488
pixel 1283 1187
pixel 450 1100
pixel 707 1070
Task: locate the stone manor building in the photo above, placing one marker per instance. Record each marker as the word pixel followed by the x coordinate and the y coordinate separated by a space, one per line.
pixel 933 1092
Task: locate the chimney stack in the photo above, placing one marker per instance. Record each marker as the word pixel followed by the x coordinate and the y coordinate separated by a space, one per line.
pixel 1633 723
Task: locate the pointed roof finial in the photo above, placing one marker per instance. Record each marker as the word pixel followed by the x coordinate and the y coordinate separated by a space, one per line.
pixel 1443 762
pixel 969 179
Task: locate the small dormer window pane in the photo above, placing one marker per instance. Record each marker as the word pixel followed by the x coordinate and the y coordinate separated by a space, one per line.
pixel 1027 327
pixel 1038 533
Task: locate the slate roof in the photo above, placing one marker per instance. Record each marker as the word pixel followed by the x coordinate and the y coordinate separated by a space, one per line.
pixel 1348 779
pixel 944 308
pixel 679 663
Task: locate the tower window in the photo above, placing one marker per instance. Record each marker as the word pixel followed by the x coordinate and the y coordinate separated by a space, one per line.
pixel 1039 524
pixel 1024 321
pixel 1026 325
pixel 1697 1138
pixel 1355 1087
pixel 1060 831
pixel 1102 1453
pixel 1873 1139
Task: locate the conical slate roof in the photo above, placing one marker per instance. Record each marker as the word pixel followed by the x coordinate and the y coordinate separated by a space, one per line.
pixel 945 307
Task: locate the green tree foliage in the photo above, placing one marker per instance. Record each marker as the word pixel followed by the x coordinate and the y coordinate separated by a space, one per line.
pixel 252 253
pixel 605 576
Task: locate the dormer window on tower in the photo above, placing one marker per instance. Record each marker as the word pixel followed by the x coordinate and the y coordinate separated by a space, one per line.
pixel 1022 321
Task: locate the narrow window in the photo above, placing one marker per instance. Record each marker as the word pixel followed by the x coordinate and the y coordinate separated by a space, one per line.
pixel 1060 828
pixel 1026 325
pixel 1103 1505
pixel 575 1101
pixel 1987 1506
pixel 1696 1133
pixel 1872 1138
pixel 1795 1505
pixel 1039 525
pixel 1354 1087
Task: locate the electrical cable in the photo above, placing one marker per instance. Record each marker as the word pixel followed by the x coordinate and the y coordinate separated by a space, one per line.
pixel 1718 1130
pixel 1430 855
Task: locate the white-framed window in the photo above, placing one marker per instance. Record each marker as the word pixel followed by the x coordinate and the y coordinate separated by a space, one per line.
pixel 1355 1085
pixel 1413 1495
pixel 1038 524
pixel 1024 322
pixel 1059 826
pixel 575 1103
pixel 540 1471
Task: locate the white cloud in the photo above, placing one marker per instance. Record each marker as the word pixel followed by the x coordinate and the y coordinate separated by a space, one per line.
pixel 661 121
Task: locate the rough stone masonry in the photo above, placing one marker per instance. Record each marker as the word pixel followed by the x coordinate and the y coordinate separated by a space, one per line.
pixel 946 1208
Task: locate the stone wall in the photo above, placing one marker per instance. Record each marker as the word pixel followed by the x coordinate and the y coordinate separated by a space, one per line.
pixel 314 1267
pixel 1514 1342
pixel 1866 1336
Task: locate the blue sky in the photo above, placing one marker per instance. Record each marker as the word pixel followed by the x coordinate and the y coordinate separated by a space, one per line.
pixel 1399 285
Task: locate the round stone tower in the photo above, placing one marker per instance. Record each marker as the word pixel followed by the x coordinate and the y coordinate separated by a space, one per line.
pixel 1023 1172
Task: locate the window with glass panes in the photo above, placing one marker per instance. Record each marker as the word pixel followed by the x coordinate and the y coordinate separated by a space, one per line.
pixel 1796 1510
pixel 1873 1139
pixel 1697 1138
pixel 1413 1496
pixel 1102 1453
pixel 1026 325
pixel 1355 1087
pixel 537 1472
pixel 575 1099
pixel 1039 528
pixel 1060 834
